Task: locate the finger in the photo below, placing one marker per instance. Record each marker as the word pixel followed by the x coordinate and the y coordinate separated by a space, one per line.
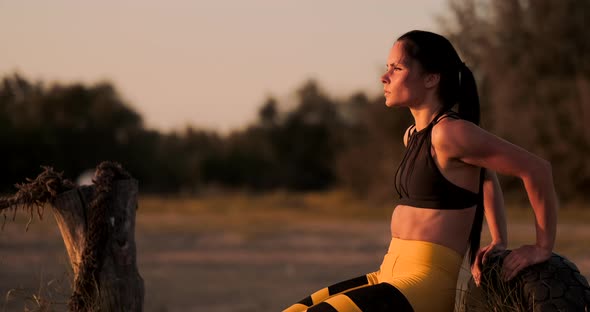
pixel 515 271
pixel 513 257
pixel 513 268
pixel 476 277
pixel 482 253
pixel 475 270
pixel 476 273
pixel 510 263
pixel 478 258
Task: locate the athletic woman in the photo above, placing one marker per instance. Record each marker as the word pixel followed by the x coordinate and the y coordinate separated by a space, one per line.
pixel 444 181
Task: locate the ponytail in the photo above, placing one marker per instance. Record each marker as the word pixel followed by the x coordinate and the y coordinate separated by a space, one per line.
pixel 468 109
pixel 468 99
pixel 475 234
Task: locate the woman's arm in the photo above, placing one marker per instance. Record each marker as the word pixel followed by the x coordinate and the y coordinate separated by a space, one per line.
pixel 469 143
pixel 493 202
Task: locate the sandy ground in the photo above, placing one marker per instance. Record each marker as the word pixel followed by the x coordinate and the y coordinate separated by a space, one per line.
pixel 195 263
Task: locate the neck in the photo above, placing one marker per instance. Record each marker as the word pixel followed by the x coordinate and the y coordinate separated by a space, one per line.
pixel 424 114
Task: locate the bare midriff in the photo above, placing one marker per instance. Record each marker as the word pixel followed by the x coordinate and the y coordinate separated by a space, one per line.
pixel 449 228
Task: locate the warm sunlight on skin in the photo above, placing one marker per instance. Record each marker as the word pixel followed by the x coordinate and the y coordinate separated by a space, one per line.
pixel 403 84
pixel 177 64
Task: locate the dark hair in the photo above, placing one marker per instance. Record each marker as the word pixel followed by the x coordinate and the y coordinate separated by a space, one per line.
pixel 437 55
pixel 457 86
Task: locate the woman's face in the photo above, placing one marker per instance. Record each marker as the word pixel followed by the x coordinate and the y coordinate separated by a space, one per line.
pixel 403 83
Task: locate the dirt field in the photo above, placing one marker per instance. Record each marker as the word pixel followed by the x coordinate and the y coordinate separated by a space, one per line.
pixel 223 256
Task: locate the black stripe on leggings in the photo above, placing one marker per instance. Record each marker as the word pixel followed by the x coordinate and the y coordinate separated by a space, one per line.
pixel 307 301
pixel 322 307
pixel 382 297
pixel 346 285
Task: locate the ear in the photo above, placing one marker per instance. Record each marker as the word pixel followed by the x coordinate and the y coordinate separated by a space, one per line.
pixel 431 80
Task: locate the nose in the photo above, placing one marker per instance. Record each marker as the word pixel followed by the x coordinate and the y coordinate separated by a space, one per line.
pixel 385 78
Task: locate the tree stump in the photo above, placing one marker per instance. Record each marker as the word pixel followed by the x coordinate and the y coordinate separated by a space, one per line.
pixel 97 224
pixel 120 287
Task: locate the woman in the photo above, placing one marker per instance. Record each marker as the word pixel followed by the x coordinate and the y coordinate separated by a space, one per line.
pixel 444 181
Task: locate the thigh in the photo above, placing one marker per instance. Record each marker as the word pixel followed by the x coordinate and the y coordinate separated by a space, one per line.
pixel 319 296
pixel 382 297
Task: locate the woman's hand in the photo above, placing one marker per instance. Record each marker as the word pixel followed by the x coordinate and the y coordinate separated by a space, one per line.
pixel 521 258
pixel 482 256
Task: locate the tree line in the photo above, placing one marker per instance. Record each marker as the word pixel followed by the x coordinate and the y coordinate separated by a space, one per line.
pixel 531 60
pixel 313 146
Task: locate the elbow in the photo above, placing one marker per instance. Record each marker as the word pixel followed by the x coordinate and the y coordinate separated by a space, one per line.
pixel 546 169
pixel 539 170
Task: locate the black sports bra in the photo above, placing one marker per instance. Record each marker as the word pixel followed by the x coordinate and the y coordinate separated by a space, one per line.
pixel 419 182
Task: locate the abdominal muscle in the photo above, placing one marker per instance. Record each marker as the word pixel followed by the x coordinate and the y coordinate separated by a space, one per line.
pixel 449 228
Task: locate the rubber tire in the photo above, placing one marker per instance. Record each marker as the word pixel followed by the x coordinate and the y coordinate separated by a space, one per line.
pixel 553 285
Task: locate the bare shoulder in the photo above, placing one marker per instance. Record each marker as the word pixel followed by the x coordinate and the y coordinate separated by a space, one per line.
pixel 451 134
pixel 459 138
pixel 467 142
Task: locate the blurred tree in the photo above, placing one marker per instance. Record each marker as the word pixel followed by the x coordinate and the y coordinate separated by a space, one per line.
pixel 532 59
pixel 72 128
pixel 295 150
pixel 306 144
pixel 245 160
pixel 268 113
pixel 367 165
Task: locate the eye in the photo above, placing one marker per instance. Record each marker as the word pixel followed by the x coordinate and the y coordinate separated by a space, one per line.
pixel 397 68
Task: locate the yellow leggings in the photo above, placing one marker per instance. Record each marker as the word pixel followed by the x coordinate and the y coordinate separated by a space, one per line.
pixel 415 276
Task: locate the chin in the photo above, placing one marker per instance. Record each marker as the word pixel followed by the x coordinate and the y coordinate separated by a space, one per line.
pixel 393 104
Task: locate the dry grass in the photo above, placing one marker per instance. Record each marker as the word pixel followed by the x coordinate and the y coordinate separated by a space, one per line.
pixel 333 204
pixel 244 252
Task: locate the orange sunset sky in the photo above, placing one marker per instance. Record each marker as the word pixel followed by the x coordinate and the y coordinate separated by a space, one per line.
pixel 207 63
